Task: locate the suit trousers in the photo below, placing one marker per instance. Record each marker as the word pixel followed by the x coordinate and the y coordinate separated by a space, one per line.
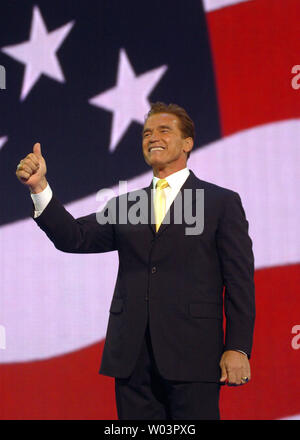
pixel 146 395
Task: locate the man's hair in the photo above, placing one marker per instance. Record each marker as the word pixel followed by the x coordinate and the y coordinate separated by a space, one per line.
pixel 187 126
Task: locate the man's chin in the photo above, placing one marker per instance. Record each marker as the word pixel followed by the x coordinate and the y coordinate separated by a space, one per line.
pixel 155 162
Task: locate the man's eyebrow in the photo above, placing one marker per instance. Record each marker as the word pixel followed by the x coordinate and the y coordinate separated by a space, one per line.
pixel 165 126
pixel 160 126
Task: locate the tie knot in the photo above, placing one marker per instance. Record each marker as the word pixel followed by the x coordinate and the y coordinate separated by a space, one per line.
pixel 161 184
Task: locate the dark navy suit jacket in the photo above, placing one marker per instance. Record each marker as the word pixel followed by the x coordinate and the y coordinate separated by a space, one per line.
pixel 183 285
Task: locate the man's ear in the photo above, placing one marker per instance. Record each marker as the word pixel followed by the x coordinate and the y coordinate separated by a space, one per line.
pixel 188 144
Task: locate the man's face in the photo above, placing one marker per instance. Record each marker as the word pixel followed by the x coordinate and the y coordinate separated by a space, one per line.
pixel 163 144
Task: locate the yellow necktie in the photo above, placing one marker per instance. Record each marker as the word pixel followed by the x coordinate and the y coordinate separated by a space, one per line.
pixel 160 202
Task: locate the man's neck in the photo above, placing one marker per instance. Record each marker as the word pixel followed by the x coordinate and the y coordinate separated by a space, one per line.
pixel 165 172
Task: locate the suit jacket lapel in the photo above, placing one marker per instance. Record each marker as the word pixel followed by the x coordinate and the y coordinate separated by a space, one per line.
pixel 148 216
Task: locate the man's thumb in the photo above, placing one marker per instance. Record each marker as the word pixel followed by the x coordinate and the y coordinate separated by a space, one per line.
pixel 223 374
pixel 37 149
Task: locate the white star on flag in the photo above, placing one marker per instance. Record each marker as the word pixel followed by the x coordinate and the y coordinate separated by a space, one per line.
pixel 128 99
pixel 3 141
pixel 39 52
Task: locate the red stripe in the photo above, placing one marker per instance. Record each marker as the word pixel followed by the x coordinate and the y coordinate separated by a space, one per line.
pixel 275 388
pixel 255 45
pixel 62 388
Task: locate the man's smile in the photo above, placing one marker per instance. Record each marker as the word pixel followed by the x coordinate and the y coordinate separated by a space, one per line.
pixel 155 149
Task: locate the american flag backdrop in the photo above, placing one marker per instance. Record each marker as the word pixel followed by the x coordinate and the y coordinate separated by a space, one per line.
pixel 79 79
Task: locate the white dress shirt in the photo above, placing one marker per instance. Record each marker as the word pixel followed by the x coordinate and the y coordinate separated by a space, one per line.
pixel 41 200
pixel 175 181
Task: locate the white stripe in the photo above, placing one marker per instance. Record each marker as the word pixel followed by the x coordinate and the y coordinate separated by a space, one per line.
pixel 52 303
pixel 211 5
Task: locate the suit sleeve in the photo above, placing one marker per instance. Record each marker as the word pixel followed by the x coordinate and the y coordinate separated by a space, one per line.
pixel 83 235
pixel 237 264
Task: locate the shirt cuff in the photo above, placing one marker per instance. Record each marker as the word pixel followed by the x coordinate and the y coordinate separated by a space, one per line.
pixel 240 351
pixel 41 200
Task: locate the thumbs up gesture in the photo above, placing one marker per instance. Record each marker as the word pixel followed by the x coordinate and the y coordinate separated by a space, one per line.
pixel 31 170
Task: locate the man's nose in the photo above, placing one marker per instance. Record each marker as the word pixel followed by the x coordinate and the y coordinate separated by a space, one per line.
pixel 154 137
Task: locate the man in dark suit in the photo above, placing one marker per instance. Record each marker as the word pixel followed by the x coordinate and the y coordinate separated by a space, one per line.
pixel 165 344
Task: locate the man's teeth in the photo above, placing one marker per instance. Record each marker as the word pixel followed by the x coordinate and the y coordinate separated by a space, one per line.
pixel 156 148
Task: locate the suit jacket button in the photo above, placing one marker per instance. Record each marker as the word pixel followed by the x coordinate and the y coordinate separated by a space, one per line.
pixel 153 269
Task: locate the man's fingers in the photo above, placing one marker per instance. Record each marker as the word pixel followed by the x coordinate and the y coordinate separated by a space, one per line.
pixel 233 378
pixel 235 375
pixel 34 159
pixel 238 377
pixel 24 175
pixel 27 166
pixel 246 376
pixel 30 164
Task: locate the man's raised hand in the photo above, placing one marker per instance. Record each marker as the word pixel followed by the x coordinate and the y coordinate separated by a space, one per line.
pixel 31 170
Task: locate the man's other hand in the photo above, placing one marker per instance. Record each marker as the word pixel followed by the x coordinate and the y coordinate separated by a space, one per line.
pixel 235 368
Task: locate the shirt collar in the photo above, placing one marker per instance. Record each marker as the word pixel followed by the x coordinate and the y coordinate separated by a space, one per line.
pixel 175 180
